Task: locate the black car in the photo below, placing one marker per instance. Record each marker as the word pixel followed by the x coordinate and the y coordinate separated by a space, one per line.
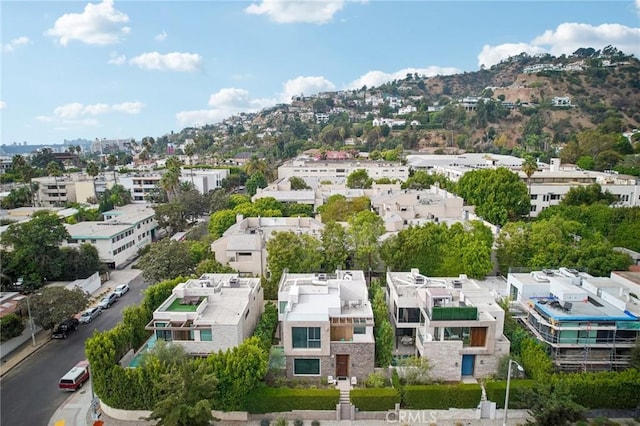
pixel 64 328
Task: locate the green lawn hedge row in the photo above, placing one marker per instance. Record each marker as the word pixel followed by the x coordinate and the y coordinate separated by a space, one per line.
pixel 607 389
pixel 375 399
pixel 275 400
pixel 442 397
pixel 497 390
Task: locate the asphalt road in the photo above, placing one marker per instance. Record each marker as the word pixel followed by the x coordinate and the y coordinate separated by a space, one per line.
pixel 29 393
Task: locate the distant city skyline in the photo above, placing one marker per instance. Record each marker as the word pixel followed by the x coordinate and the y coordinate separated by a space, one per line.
pixel 130 69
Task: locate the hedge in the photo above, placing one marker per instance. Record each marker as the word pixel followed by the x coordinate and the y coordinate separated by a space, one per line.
pixel 275 400
pixel 11 325
pixel 442 397
pixel 607 389
pixel 496 392
pixel 375 399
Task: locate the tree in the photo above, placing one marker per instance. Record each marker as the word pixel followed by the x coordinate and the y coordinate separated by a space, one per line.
pixel 552 405
pixel 93 170
pixel 166 260
pixel 365 229
pixel 297 253
pixel 53 169
pixel 334 246
pixel 170 180
pixel 117 195
pixel 220 221
pixel 171 216
pixel 35 245
pixel 359 179
pixel 529 167
pixel 498 194
pixel 587 195
pixel 53 304
pixel 257 180
pixel 112 161
pixel 185 389
pixel 297 183
pixel 415 370
pixel 218 200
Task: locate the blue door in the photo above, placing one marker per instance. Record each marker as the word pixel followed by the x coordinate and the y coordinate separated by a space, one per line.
pixel 468 361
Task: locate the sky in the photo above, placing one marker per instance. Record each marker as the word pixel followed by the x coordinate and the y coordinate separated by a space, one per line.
pixel 129 69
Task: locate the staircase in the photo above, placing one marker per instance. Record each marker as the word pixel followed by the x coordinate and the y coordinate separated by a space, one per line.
pixel 345 402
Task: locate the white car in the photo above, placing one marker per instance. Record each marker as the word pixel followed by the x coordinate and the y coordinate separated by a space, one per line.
pixel 121 290
pixel 90 314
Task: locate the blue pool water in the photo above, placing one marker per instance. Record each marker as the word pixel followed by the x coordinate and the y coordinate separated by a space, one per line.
pixel 149 344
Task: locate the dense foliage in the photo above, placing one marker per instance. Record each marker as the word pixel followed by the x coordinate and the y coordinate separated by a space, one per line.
pixel 441 251
pixel 375 399
pixel 274 400
pixel 442 397
pixel 498 194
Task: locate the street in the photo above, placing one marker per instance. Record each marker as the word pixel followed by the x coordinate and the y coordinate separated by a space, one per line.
pixel 29 392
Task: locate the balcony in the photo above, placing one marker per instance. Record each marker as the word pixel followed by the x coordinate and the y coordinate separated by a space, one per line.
pixel 447 313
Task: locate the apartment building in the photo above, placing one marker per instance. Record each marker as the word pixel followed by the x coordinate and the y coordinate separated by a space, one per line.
pixel 548 185
pixel 338 171
pixel 120 236
pixel 586 323
pixel 244 245
pixel 212 313
pixel 454 322
pixel 74 188
pixel 326 325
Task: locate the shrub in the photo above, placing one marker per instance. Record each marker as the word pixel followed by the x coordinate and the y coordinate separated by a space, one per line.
pixel 315 423
pixel 11 325
pixel 496 392
pixel 375 399
pixel 281 421
pixel 275 400
pixel 442 397
pixel 298 422
pixel 375 380
pixel 607 389
pixel 265 422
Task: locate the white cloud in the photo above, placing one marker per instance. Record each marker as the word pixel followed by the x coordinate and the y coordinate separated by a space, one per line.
pixel 15 43
pixel 128 107
pixel 161 37
pixel 174 61
pixel 491 55
pixel 305 85
pixel 570 36
pixel 115 59
pixel 3 104
pixel 376 78
pixel 224 103
pixel 99 24
pixel 76 110
pixel 287 12
pixel 566 39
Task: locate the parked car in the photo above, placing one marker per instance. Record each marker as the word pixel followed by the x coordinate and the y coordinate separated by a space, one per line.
pixel 62 330
pixel 121 290
pixel 90 314
pixel 75 378
pixel 107 301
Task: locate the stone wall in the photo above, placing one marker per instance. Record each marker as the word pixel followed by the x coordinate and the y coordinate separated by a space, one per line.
pixel 361 357
pixel 445 358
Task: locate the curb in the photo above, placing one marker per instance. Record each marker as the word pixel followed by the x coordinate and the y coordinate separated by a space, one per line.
pixel 20 358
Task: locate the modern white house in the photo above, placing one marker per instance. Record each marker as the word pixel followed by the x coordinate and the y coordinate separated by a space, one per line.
pixel 326 325
pixel 586 323
pixel 244 245
pixel 211 313
pixel 120 236
pixel 454 322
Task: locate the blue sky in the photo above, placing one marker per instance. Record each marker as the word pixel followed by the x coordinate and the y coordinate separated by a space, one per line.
pixel 129 69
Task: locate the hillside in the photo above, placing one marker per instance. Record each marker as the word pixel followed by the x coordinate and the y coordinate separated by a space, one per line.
pixel 535 104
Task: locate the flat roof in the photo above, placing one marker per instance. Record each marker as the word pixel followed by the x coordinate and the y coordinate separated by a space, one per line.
pixel 96 230
pixel 582 311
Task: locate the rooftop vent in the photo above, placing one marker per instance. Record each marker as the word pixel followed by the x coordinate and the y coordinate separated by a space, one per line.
pixel 457 284
pixel 548 272
pixel 234 282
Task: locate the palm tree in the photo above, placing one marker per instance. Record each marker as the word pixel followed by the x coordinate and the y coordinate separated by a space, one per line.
pixel 93 170
pixel 112 160
pixel 529 167
pixel 255 165
pixel 188 151
pixel 53 169
pixel 171 177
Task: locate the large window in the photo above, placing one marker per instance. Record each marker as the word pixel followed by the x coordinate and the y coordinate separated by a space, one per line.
pixel 309 367
pixel 305 337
